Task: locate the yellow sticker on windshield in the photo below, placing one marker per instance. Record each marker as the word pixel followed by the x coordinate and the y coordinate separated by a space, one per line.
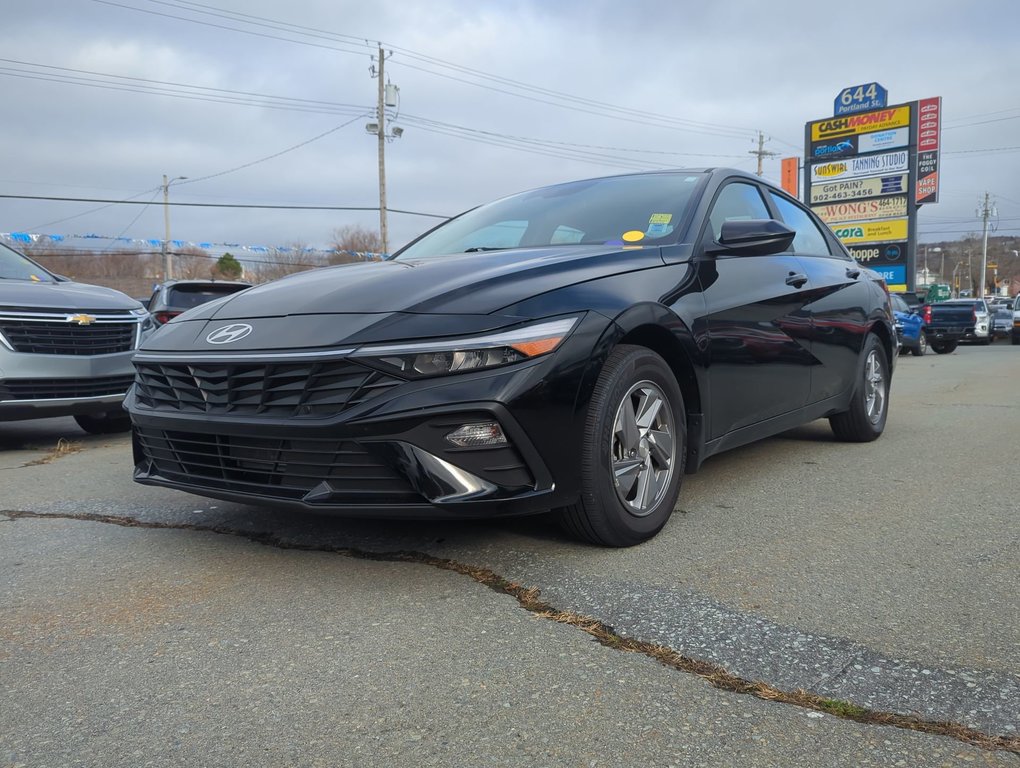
pixel 35 279
pixel 661 218
pixel 633 236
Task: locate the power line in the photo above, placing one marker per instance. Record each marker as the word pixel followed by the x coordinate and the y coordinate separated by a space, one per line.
pixel 221 205
pixel 274 155
pixel 128 200
pixel 563 100
pixel 549 148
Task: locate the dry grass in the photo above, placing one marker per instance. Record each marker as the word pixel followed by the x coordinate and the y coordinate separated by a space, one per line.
pixel 64 447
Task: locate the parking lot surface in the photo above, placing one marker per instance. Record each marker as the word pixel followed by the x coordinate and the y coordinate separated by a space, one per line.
pixel 143 626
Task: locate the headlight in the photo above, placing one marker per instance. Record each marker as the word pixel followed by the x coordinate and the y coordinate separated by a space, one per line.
pixel 439 358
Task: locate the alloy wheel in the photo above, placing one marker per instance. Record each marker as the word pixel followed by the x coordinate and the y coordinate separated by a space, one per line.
pixel 874 387
pixel 643 448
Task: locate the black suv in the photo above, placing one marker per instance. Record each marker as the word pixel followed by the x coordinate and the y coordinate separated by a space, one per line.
pixel 173 297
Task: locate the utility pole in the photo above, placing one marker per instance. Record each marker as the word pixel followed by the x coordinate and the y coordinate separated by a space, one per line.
pixel 168 262
pixel 984 213
pixel 381 133
pixel 761 152
pixel 387 97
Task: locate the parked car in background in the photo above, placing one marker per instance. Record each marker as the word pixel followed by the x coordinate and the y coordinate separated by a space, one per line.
pixel 909 326
pixel 173 297
pixel 1002 320
pixel 577 348
pixel 1016 320
pixel 950 322
pixel 65 347
pixel 910 298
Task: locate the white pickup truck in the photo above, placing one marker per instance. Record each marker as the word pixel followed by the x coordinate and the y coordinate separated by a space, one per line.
pixel 1016 320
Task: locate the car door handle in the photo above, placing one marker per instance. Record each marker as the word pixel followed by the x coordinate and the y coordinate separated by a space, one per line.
pixel 796 279
pixel 853 273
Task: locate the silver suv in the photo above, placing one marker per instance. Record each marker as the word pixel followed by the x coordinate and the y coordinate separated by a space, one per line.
pixel 65 347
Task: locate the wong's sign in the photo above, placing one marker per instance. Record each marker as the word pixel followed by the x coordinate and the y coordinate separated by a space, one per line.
pixel 863 210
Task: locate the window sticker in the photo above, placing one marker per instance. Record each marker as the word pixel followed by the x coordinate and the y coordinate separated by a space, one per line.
pixel 659 225
pixel 633 236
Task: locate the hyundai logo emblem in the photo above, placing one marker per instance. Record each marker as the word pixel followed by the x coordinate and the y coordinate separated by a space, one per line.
pixel 228 334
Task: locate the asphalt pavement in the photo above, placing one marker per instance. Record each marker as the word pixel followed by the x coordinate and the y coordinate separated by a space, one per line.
pixel 142 626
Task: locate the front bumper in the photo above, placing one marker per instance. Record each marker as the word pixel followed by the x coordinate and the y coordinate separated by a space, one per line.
pixel 36 386
pixel 385 456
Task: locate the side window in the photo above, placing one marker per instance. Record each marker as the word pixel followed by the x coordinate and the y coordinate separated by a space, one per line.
pixel 737 202
pixel 809 240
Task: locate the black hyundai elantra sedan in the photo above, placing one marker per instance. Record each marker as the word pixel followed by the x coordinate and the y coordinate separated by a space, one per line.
pixel 576 348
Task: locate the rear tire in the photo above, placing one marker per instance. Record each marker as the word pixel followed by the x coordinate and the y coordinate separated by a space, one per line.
pixel 633 453
pixel 944 347
pixel 865 419
pixel 922 345
pixel 104 423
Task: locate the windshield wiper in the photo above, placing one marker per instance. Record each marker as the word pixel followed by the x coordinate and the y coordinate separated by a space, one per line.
pixel 476 248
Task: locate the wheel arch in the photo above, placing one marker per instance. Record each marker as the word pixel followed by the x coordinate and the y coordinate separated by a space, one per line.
pixel 887 337
pixel 655 327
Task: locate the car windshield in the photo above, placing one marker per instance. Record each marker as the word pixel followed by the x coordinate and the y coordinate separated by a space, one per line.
pixel 14 266
pixel 643 209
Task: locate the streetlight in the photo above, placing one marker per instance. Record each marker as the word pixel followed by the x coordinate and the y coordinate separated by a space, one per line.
pixel 167 258
pixel 942 269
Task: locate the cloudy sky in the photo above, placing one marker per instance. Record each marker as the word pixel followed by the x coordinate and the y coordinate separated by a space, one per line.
pixel 270 102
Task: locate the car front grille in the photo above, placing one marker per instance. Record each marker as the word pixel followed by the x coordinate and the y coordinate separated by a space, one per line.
pixel 63 389
pixel 59 334
pixel 279 468
pixel 281 390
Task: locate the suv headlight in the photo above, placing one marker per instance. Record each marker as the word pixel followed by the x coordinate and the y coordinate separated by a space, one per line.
pixel 443 357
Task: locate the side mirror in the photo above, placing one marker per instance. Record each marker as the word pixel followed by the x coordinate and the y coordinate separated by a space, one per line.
pixel 753 237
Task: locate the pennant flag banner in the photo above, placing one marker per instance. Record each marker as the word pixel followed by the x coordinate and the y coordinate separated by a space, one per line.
pixel 29 238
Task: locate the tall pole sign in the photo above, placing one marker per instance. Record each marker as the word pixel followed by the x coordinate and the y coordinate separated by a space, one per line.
pixel 868 168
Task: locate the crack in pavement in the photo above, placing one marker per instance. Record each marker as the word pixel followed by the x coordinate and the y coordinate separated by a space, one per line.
pixel 529 599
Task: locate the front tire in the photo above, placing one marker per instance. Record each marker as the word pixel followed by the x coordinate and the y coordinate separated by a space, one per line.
pixel 922 345
pixel 633 454
pixel 104 423
pixel 865 419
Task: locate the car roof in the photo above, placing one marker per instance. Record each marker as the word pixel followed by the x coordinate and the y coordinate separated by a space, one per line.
pixel 210 281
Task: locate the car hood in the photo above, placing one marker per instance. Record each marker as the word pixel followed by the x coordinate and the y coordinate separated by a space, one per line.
pixel 385 301
pixel 62 296
pixel 471 283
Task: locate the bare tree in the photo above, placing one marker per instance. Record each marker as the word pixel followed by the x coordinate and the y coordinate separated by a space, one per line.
pixel 193 263
pixel 282 262
pixel 352 242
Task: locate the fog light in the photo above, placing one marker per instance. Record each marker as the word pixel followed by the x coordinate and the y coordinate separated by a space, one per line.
pixel 477 435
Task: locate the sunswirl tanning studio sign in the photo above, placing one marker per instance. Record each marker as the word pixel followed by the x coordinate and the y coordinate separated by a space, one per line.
pixel 862 165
